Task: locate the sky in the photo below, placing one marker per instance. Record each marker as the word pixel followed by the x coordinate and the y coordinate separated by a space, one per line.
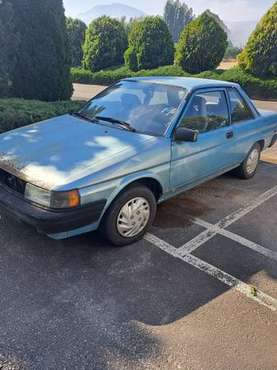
pixel 228 10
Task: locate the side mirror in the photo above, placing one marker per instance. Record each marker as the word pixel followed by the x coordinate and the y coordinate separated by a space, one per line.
pixel 185 134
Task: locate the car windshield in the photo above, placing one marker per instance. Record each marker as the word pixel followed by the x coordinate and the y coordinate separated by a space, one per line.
pixel 137 106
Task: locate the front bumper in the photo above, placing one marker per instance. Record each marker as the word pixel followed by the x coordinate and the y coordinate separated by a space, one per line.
pixel 49 221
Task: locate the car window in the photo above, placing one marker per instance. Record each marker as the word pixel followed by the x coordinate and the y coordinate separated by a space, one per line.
pixel 168 97
pixel 147 107
pixel 206 112
pixel 239 109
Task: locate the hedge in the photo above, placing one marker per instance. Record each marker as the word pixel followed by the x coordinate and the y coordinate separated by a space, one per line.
pixel 256 87
pixel 15 113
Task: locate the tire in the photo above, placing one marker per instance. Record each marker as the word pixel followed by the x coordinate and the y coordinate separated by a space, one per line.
pixel 247 170
pixel 141 205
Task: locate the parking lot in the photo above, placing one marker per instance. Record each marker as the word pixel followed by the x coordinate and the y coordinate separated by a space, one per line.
pixel 200 292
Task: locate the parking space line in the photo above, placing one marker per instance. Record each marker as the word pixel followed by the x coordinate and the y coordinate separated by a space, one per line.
pixel 229 280
pixel 206 235
pixel 237 238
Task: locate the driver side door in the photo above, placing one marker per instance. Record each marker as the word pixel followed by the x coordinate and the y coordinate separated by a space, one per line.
pixel 214 151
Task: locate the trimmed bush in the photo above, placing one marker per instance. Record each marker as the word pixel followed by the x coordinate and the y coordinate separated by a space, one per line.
pixel 202 45
pixel 76 30
pixel 42 69
pixel 255 87
pixel 260 54
pixel 150 45
pixel 105 44
pixel 15 113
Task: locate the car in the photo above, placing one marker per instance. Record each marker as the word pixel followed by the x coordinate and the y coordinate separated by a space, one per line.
pixel 136 144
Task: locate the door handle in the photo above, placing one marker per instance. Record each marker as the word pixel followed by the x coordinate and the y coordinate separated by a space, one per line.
pixel 230 134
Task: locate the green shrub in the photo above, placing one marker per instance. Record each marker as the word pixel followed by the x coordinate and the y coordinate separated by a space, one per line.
pixel 42 69
pixel 256 87
pixel 260 54
pixel 105 44
pixel 150 45
pixel 202 45
pixel 15 113
pixel 76 30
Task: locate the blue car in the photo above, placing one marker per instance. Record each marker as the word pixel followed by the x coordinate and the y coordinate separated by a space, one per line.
pixel 133 146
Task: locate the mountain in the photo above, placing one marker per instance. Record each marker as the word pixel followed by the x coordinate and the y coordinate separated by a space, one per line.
pixel 240 31
pixel 115 10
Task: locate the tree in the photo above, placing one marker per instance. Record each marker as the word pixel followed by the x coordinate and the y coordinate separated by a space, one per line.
pixel 177 15
pixel 76 30
pixel 202 45
pixel 42 69
pixel 150 44
pixel 260 54
pixel 9 42
pixel 105 44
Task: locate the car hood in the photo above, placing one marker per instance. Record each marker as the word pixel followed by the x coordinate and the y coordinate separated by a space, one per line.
pixel 59 151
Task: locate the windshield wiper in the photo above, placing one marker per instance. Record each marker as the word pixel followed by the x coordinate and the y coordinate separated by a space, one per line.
pixel 83 116
pixel 124 124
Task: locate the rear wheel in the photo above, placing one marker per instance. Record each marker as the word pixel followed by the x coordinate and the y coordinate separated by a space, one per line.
pixel 130 215
pixel 249 166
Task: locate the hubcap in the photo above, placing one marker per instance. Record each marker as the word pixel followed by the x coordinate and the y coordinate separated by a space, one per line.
pixel 252 161
pixel 133 217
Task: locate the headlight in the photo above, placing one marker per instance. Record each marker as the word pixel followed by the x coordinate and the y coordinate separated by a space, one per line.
pixel 52 199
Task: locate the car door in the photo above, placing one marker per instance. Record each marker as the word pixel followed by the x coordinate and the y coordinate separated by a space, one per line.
pixel 213 152
pixel 243 122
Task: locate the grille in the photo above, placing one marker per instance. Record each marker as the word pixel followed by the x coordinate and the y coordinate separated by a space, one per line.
pixel 12 182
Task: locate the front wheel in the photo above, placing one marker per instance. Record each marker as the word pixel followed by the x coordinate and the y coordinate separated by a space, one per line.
pixel 130 215
pixel 249 166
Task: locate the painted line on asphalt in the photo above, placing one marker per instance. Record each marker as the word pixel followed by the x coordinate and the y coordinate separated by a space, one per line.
pixel 206 235
pixel 229 280
pixel 237 238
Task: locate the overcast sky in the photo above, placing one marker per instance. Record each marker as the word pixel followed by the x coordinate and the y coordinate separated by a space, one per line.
pixel 229 10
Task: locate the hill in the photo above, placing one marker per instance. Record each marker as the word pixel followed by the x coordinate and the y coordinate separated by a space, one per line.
pixel 116 10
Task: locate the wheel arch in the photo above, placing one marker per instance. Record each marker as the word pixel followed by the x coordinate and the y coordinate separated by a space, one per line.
pixel 149 181
pixel 261 143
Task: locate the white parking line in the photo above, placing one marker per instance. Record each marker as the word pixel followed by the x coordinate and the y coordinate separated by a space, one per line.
pixel 206 235
pixel 229 280
pixel 237 238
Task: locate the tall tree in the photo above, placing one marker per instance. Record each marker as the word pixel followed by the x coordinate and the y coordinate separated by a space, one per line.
pixel 9 42
pixel 177 15
pixel 76 30
pixel 42 69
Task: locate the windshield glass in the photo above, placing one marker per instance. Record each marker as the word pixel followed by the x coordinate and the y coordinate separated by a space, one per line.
pixel 145 107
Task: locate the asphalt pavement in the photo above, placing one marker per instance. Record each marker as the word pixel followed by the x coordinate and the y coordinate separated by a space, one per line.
pixel 199 292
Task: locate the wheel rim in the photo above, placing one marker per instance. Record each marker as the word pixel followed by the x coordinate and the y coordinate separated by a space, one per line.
pixel 133 217
pixel 252 161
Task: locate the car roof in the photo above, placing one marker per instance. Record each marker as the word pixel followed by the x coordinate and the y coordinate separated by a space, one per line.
pixel 189 83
